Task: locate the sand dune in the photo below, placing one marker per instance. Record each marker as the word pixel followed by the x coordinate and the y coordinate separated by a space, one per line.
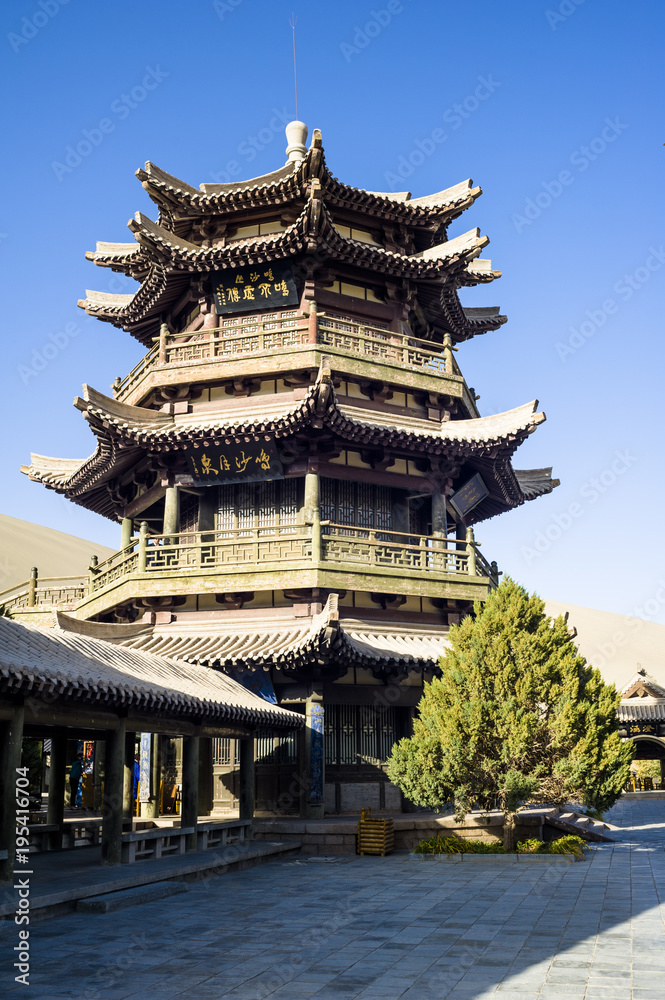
pixel 54 553
pixel 617 644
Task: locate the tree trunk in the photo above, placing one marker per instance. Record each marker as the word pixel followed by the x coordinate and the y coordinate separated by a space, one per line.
pixel 509 832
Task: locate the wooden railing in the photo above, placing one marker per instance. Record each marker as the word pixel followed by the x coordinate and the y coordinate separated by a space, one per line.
pixel 45 592
pixel 269 334
pixel 123 387
pixel 201 550
pixel 284 545
pixel 245 548
pixel 401 550
pixel 383 345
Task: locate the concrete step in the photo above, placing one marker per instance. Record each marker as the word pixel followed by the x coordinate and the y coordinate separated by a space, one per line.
pixel 109 902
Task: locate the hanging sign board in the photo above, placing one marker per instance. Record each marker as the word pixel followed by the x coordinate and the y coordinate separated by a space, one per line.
pixel 251 289
pixel 469 495
pixel 248 462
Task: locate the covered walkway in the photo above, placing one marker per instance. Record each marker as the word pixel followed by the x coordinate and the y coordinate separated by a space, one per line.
pixel 62 685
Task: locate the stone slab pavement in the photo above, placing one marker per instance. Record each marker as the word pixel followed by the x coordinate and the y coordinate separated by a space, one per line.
pixel 372 927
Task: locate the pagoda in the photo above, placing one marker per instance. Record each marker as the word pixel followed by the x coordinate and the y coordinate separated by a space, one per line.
pixel 297 464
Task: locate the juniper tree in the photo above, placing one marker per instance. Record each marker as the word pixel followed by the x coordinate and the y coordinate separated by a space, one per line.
pixel 516 715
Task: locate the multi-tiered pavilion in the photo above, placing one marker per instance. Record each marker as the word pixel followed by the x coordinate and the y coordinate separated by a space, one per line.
pixel 297 463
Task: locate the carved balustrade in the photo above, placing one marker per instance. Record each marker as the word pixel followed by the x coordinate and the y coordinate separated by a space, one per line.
pixel 267 335
pixel 213 550
pixel 49 592
pixel 281 546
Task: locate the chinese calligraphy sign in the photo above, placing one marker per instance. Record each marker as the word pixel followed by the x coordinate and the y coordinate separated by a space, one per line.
pixel 235 463
pixel 249 288
pixel 469 495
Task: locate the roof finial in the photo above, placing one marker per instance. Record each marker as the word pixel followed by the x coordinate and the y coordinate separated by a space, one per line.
pixel 296 131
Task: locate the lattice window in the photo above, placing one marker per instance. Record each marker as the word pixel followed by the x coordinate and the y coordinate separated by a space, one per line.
pixel 339 321
pixel 189 515
pixel 348 734
pixel 260 505
pixel 221 751
pixel 384 507
pixel 368 735
pixel 365 508
pixel 226 515
pixel 359 734
pixel 265 504
pixel 288 749
pixel 359 504
pixel 288 504
pixel 265 747
pixel 328 499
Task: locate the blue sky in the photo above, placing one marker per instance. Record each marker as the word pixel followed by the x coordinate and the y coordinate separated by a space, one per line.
pixel 552 108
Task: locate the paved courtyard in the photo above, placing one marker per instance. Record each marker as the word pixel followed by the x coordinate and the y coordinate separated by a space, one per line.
pixel 378 928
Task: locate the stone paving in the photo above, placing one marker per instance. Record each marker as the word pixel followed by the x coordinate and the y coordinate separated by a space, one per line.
pixel 378 928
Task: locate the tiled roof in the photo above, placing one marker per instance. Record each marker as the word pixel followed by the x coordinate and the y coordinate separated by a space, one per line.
pixel 288 182
pixel 535 482
pixel 82 668
pixel 637 711
pixel 123 430
pixel 290 645
pixel 168 250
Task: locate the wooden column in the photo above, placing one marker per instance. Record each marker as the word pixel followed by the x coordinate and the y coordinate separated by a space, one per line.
pixel 205 777
pixel 190 787
pixel 143 546
pixel 55 810
pixel 126 532
pixel 150 809
pixel 470 540
pixel 313 759
pixel 312 512
pixel 113 795
pixel 97 771
pixel 32 587
pixel 439 519
pixel 128 781
pixel 247 778
pixel 171 510
pixel 312 329
pixel 11 733
pixel 163 335
pixel 439 527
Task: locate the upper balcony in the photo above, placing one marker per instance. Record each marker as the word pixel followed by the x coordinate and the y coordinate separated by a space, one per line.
pixel 268 344
pixel 281 557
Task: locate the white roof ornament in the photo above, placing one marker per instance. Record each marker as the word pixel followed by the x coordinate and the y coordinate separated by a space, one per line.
pixel 296 137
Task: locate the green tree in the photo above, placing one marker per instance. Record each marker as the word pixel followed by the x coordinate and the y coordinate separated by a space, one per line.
pixel 516 715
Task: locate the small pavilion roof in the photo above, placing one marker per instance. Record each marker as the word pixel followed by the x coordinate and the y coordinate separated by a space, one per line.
pixel 241 643
pixel 124 431
pixel 55 663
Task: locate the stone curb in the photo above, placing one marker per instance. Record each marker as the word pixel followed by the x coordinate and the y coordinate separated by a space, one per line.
pixel 111 901
pixel 502 859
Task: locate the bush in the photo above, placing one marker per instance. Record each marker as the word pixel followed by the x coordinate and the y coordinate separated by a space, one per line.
pixel 457 845
pixel 515 716
pixel 570 844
